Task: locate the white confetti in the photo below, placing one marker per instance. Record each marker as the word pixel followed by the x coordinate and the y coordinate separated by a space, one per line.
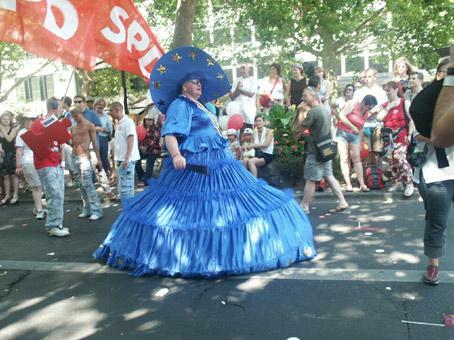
pixel 162 292
pixel 223 302
pixel 380 251
pixel 388 288
pixel 50 254
pixel 293 338
pixel 4 273
pixel 368 234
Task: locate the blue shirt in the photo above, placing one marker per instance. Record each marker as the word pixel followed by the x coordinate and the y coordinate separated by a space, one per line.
pixel 89 115
pixel 92 117
pixel 106 123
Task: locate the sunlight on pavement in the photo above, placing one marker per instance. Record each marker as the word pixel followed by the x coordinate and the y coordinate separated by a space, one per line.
pixel 46 321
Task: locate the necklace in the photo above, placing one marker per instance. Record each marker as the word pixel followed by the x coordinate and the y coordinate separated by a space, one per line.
pixel 210 115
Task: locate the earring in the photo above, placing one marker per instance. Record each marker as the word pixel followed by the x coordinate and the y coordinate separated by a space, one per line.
pixel 185 89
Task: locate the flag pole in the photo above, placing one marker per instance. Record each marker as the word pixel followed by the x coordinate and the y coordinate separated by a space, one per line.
pixel 69 82
pixel 125 92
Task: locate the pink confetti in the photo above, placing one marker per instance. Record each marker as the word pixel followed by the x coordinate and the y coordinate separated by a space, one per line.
pixel 448 320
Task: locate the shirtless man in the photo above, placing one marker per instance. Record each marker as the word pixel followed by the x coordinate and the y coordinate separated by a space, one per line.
pixel 83 133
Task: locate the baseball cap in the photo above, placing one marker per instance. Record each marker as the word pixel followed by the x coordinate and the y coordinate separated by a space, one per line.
pixel 247 130
pixel 231 132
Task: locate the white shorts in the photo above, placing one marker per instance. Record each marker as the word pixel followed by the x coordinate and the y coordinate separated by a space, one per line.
pixel 31 175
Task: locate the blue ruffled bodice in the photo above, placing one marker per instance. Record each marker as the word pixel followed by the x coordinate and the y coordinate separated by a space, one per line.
pixel 190 224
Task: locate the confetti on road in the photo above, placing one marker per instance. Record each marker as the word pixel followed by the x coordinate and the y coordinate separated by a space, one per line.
pixel 162 292
pixel 293 338
pixel 50 254
pixel 449 320
pixel 4 273
pixel 388 288
pixel 223 302
pixel 68 210
pixel 379 250
pixel 25 225
pixel 368 234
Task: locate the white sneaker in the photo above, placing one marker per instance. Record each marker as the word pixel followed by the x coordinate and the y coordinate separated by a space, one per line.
pixel 409 190
pixel 59 232
pixel 95 217
pixel 40 215
pixel 83 215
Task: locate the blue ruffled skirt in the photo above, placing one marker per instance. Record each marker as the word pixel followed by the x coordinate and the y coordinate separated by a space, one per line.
pixel 189 224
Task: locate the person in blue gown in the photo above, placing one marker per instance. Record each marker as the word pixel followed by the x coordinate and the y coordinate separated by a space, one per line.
pixel 206 215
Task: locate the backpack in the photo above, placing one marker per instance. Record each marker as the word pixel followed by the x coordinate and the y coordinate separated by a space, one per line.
pixel 374 180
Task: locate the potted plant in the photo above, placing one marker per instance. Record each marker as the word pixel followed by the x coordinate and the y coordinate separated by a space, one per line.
pixel 288 163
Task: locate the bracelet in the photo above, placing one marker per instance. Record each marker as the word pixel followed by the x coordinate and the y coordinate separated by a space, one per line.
pixel 448 81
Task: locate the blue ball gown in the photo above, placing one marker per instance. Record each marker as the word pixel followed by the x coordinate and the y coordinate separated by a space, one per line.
pixel 190 224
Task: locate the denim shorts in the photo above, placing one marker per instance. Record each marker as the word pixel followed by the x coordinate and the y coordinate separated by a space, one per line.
pixel 347 137
pixel 314 170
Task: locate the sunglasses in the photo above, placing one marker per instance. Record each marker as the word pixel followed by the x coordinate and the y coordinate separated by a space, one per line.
pixel 195 82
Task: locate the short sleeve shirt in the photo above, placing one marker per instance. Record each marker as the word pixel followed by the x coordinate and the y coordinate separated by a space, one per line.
pixel 125 128
pixel 27 155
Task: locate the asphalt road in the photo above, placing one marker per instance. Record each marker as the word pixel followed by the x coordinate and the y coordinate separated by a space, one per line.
pixel 363 283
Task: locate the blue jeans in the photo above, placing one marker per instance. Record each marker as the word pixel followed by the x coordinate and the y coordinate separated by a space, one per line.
pixel 438 198
pixel 104 152
pixel 52 180
pixel 148 173
pixel 125 178
pixel 83 172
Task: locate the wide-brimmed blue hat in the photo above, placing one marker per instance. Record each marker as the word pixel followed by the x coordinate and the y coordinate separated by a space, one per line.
pixel 180 65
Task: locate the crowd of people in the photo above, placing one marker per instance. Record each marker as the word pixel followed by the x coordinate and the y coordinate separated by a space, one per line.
pixel 107 147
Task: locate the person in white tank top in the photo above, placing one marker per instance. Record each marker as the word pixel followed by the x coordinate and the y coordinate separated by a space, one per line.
pixel 264 145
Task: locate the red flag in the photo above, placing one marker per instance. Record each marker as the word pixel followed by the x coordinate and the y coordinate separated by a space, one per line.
pixel 76 32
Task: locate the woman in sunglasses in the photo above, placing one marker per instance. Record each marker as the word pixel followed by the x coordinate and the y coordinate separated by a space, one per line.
pixel 206 215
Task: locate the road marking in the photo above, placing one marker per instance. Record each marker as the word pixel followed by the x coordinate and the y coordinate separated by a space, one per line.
pixel 292 273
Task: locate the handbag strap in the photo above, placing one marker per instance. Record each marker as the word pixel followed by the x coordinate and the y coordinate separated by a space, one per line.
pixel 275 83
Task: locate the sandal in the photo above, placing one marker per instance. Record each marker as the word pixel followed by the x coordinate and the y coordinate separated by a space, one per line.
pixel 307 211
pixel 349 188
pixel 14 200
pixel 365 189
pixel 339 209
pixel 5 200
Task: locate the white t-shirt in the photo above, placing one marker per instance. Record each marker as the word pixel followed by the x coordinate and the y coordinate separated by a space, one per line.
pixel 430 169
pixel 125 128
pixel 265 87
pixel 376 90
pixel 27 155
pixel 247 104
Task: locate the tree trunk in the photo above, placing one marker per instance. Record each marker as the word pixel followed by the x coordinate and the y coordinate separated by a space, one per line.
pixel 5 95
pixel 85 77
pixel 185 15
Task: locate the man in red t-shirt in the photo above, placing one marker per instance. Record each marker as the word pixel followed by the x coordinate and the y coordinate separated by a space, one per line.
pixel 51 172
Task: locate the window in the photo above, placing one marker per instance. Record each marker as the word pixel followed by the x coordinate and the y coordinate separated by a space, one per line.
pixel 229 73
pixel 36 89
pixel 380 63
pixel 354 64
